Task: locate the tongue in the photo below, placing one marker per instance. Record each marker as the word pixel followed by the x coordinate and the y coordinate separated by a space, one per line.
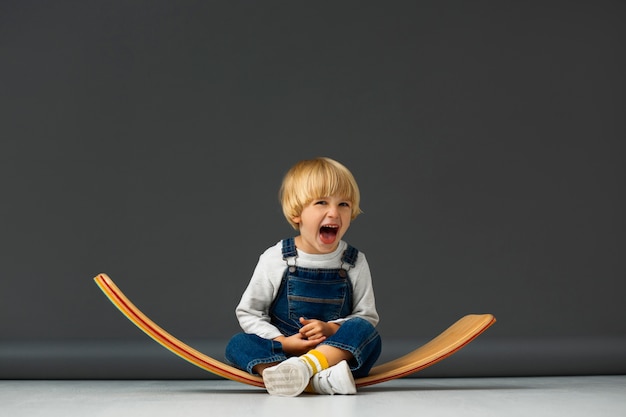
pixel 328 235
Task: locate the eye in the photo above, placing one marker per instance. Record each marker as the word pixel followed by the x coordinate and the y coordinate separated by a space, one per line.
pixel 321 202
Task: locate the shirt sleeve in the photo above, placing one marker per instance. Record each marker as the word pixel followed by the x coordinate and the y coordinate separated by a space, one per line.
pixel 253 309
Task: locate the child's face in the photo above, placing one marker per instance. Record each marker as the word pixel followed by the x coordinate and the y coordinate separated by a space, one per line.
pixel 323 222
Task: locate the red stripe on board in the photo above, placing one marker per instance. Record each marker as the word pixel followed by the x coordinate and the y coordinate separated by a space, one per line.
pixel 174 344
pixel 117 297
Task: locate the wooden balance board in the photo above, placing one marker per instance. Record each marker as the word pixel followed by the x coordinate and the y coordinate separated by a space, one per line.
pixel 447 343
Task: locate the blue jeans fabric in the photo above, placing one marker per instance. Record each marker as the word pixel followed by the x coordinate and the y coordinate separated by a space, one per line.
pixel 245 351
pixel 322 294
pixel 356 335
pixel 313 294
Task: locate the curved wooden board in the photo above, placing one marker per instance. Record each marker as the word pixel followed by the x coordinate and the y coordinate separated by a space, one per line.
pixel 450 341
pixel 168 341
pixel 447 343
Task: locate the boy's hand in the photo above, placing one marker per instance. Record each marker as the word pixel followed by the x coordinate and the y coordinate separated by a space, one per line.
pixel 297 344
pixel 312 333
pixel 315 330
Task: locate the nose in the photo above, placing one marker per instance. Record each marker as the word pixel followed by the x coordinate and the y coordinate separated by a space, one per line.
pixel 333 210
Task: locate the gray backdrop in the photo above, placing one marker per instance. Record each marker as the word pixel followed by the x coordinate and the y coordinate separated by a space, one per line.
pixel 147 140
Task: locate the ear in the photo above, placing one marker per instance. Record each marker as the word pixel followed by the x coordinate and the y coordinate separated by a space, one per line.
pixel 296 219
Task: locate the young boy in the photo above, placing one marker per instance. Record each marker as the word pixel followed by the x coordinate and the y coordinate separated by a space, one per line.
pixel 308 313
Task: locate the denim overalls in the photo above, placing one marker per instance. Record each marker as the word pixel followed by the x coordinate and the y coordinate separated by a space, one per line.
pixel 322 294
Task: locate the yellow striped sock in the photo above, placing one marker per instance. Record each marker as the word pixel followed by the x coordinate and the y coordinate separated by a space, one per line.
pixel 315 360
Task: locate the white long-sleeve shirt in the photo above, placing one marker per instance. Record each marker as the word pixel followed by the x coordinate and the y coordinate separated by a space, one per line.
pixel 253 309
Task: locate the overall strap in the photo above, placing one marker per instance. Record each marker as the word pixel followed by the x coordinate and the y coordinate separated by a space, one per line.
pixel 350 255
pixel 289 248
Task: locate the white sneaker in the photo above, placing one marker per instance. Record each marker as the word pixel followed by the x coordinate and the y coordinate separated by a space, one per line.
pixel 335 380
pixel 287 379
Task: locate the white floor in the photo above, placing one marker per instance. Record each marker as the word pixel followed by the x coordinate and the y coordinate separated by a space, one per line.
pixel 602 396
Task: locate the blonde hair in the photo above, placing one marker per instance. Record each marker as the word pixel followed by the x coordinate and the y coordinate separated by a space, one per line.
pixel 317 178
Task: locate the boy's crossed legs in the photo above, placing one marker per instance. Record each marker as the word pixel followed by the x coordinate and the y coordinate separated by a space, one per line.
pixel 323 370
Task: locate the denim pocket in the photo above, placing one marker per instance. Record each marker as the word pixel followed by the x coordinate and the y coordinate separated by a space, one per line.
pixel 316 299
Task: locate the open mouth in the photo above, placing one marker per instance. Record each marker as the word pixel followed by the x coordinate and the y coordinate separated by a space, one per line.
pixel 328 233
